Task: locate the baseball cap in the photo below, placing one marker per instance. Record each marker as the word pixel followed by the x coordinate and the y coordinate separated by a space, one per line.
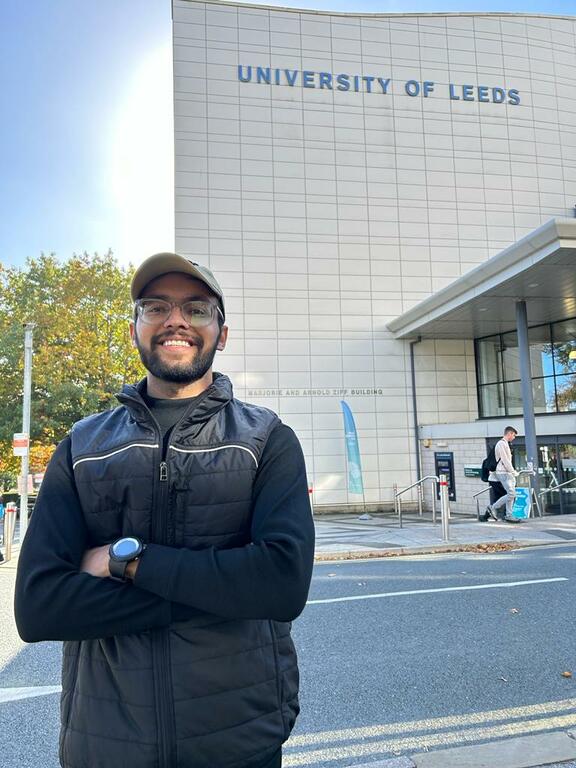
pixel 161 263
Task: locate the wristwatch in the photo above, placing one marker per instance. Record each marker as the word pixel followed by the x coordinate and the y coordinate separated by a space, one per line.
pixel 121 552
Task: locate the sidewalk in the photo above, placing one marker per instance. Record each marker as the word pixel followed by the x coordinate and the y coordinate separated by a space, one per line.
pixel 348 536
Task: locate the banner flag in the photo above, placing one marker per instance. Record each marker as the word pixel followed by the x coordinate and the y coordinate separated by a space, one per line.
pixel 355 484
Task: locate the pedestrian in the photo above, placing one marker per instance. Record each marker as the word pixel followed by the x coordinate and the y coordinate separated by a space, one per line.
pixel 170 548
pixel 506 475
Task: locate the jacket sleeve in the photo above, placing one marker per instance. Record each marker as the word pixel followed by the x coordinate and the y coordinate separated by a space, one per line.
pixel 268 578
pixel 53 600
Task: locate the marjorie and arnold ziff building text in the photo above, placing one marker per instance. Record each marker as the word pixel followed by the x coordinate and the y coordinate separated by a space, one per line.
pixel 382 193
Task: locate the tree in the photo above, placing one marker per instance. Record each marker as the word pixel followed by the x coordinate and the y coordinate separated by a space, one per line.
pixel 82 349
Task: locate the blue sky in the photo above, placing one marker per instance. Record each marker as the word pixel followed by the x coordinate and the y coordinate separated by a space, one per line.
pixel 86 129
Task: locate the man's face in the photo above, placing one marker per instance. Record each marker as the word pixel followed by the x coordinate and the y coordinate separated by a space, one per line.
pixel 191 358
pixel 510 436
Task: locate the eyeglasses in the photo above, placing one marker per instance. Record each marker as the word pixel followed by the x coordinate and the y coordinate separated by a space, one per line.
pixel 195 313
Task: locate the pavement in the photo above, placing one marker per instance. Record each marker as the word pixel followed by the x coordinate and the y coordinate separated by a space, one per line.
pixel 346 536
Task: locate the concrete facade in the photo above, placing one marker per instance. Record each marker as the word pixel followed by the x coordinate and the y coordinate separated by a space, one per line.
pixel 336 169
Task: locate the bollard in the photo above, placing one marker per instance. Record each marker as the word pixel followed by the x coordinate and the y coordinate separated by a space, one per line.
pixel 434 502
pixel 9 525
pixel 444 507
pixel 420 499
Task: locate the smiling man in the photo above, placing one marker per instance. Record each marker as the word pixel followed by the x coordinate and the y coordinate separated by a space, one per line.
pixel 170 548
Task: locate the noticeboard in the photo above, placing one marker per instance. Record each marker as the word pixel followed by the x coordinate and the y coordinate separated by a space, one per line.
pixel 444 465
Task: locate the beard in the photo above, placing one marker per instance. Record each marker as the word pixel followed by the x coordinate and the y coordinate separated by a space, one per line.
pixel 176 372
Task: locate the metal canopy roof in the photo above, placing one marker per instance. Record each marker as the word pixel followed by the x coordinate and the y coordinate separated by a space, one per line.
pixel 540 268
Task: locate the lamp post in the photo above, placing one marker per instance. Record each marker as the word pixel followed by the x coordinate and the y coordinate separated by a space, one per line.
pixel 27 396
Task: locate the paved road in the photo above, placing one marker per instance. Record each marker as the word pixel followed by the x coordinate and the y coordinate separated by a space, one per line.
pixel 458 658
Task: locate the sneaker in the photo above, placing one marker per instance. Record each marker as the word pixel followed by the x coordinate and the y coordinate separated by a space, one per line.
pixel 483 518
pixel 511 519
pixel 490 513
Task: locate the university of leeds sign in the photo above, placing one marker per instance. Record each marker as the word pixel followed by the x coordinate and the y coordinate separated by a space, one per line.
pixel 370 84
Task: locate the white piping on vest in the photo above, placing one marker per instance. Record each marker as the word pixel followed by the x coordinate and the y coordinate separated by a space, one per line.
pixel 220 448
pixel 113 453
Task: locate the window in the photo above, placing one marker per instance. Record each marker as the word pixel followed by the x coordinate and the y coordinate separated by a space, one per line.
pixel 553 363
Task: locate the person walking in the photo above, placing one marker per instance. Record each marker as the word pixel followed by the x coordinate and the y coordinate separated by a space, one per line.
pixel 171 547
pixel 506 475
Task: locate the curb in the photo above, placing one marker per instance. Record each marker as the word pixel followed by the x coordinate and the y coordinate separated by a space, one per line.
pixel 481 547
pixel 533 751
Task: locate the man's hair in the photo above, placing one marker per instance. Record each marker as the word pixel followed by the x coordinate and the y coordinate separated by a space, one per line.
pixel 510 429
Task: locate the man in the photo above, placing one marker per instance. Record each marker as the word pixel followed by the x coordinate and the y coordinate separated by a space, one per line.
pixel 506 475
pixel 170 547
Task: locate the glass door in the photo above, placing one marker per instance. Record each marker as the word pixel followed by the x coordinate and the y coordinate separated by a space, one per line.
pixel 549 478
pixel 567 454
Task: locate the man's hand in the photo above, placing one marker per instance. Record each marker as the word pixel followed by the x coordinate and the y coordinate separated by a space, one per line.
pixel 95 562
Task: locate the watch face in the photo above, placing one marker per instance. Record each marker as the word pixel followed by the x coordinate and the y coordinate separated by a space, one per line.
pixel 126 548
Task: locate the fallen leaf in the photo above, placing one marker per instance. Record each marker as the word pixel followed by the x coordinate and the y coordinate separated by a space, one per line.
pixel 505 679
pixel 566 674
pixel 514 610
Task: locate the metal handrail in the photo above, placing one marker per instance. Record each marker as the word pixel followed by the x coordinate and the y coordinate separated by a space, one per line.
pixel 555 487
pixel 484 490
pixel 418 484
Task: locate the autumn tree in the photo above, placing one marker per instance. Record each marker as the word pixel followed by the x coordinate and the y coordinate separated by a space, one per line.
pixel 82 350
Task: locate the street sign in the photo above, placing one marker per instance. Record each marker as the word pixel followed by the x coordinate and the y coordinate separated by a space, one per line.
pixel 472 470
pixel 20 443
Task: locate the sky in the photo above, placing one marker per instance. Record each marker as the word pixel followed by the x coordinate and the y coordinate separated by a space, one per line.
pixel 86 145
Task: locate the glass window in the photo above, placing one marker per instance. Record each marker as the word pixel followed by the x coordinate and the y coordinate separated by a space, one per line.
pixel 566 392
pixel 544 394
pixel 540 343
pixel 510 356
pixel 489 360
pixel 513 397
pixel 492 400
pixel 565 346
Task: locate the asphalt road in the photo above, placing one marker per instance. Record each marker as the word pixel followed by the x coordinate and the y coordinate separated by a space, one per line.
pixel 459 658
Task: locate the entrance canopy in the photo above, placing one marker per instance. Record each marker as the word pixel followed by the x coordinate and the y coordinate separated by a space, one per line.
pixel 539 269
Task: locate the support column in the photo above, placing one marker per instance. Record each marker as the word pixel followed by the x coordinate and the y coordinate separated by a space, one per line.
pixel 526 388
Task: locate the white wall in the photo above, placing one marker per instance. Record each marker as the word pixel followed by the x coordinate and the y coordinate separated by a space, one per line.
pixel 325 214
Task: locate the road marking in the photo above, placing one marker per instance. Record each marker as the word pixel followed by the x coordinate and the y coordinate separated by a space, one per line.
pixel 433 723
pixel 499 585
pixel 423 742
pixel 16 694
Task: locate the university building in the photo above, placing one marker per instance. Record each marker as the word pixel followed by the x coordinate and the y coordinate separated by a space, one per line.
pixel 389 203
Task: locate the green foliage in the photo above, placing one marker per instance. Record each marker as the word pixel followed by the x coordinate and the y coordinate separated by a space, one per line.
pixel 82 349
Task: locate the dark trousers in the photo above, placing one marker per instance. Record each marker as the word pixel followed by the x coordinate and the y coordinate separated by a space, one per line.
pixel 497 490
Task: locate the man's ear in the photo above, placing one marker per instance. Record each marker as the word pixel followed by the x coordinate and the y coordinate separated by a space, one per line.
pixel 132 330
pixel 222 338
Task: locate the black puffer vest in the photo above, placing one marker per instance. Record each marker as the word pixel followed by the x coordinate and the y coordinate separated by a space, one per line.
pixel 208 692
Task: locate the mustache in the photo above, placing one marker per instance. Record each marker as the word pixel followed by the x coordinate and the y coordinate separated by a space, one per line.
pixel 160 338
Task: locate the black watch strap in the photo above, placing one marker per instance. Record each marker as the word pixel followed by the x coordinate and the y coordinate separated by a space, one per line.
pixel 118 569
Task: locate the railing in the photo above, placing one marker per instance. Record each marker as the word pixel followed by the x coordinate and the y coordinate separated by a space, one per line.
pixel 418 484
pixel 442 482
pixel 556 487
pixel 475 496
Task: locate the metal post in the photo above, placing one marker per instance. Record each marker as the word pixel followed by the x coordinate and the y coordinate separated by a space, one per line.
pixel 9 525
pixel 526 389
pixel 434 502
pixel 27 396
pixel 444 507
pixel 419 486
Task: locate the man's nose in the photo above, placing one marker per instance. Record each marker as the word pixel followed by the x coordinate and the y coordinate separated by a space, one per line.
pixel 176 317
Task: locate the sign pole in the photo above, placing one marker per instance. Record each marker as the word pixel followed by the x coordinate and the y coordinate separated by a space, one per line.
pixel 27 396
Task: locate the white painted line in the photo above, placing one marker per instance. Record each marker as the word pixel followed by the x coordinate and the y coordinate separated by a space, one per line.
pixel 16 694
pixel 432 591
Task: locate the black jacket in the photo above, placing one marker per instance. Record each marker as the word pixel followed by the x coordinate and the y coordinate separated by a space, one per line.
pixel 192 665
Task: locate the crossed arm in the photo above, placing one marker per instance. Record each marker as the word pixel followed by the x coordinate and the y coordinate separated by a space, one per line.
pixel 62 589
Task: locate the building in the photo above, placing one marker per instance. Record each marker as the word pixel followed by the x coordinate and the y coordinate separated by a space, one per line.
pixel 376 193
